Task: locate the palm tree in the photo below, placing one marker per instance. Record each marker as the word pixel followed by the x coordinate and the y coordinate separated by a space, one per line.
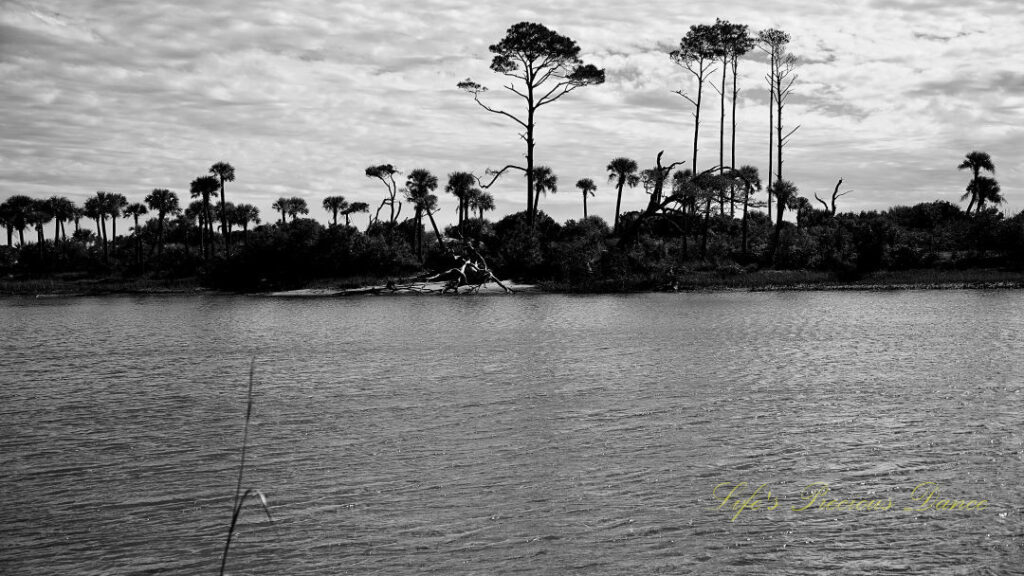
pixel 297 206
pixel 203 187
pixel 194 215
pixel 335 204
pixel 19 208
pixel 7 221
pixel 418 188
pixel 751 182
pixel 115 204
pixel 94 211
pixel 481 201
pixel 135 210
pixel 544 180
pixel 460 185
pixel 163 202
pixel 244 215
pixel 77 214
pixel 985 189
pixel 62 210
pixel 354 208
pixel 229 211
pixel 281 204
pixel 39 214
pixel 587 186
pixel 622 171
pixel 976 162
pixel 785 195
pixel 225 173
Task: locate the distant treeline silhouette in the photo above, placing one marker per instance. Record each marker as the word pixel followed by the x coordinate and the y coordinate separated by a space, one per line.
pixel 694 220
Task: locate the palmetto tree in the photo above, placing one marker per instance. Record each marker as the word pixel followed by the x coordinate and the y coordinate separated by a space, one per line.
pixel 587 186
pixel 418 188
pixel 115 204
pixel 281 205
pixel 354 208
pixel 335 205
pixel 297 206
pixel 164 203
pixel 785 195
pixel 622 171
pixel 985 189
pixel 246 214
pixel 460 185
pixel 976 162
pixel 62 210
pixel 750 181
pixel 225 173
pixel 135 210
pixel 481 202
pixel 7 221
pixel 203 187
pixel 544 181
pixel 38 215
pixel 94 211
pixel 19 208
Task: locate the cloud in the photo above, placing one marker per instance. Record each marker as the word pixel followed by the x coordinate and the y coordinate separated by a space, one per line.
pixel 302 96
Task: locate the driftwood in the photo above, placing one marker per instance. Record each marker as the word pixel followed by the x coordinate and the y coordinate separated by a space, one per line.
pixel 470 271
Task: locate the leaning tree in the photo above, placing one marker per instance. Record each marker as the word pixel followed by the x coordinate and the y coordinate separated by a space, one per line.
pixel 543 66
pixel 976 162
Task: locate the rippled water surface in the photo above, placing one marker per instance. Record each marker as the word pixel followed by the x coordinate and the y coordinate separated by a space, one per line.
pixel 513 435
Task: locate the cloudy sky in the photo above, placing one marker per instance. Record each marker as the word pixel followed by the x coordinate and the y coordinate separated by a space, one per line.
pixel 127 95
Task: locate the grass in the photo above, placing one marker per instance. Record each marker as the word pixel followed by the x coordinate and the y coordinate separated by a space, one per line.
pixel 241 496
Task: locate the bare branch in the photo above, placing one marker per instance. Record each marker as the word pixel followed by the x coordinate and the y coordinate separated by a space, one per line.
pixel 496 175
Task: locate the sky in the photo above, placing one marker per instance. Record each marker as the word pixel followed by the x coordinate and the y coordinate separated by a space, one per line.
pixel 300 97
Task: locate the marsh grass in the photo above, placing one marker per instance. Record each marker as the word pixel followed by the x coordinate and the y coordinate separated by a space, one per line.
pixel 241 496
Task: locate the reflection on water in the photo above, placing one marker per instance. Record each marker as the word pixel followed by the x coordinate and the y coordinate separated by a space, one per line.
pixel 495 435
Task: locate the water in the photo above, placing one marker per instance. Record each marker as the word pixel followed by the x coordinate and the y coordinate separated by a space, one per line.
pixel 512 435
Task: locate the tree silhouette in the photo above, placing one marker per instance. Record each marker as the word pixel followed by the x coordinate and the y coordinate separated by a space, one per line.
pixel 225 173
pixel 354 208
pixel 481 202
pixel 386 174
pixel 587 186
pixel 113 205
pixel 297 206
pixel 544 181
pixel 751 182
pixel 622 171
pixel 984 189
pixel 94 211
pixel 334 205
pixel 780 81
pixel 460 185
pixel 202 187
pixel 246 214
pixel 281 205
pixel 63 210
pixel 134 210
pixel 738 43
pixel 418 188
pixel 697 53
pixel 163 202
pixel 7 218
pixel 785 195
pixel 38 215
pixel 195 214
pixel 543 66
pixel 975 162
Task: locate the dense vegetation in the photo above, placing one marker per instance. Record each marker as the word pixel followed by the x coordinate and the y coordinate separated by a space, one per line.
pixel 698 228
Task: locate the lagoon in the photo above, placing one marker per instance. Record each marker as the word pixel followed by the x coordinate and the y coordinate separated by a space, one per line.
pixel 530 434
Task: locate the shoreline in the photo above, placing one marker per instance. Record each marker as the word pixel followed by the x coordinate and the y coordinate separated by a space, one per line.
pixel 761 281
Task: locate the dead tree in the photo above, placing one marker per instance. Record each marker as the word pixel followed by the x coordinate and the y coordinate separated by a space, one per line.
pixel 831 210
